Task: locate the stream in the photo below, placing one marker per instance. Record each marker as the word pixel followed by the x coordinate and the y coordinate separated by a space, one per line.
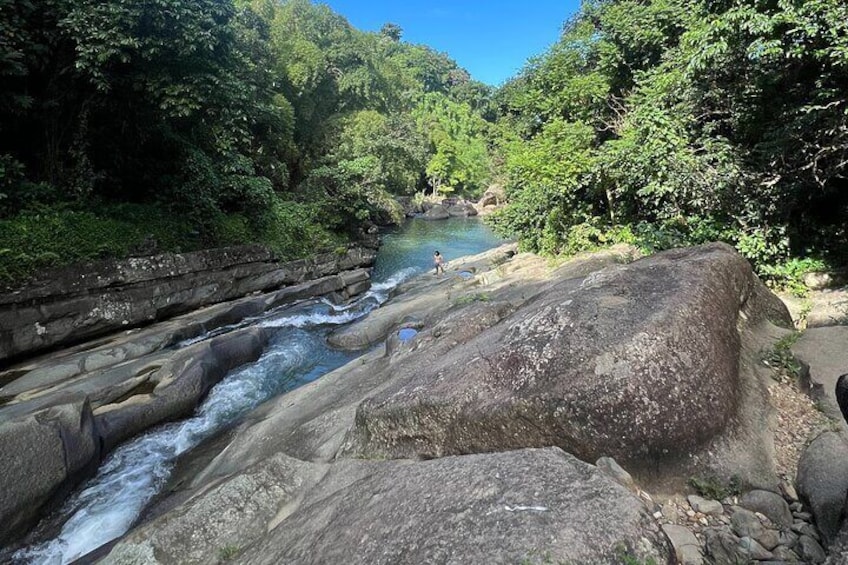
pixel 107 505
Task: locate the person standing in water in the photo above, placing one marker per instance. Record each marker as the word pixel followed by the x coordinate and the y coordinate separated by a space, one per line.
pixel 439 263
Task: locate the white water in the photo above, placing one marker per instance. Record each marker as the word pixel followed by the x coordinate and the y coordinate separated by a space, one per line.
pixel 107 505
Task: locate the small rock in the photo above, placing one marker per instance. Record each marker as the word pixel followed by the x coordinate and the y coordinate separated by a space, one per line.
pixel 703 521
pixel 796 507
pixel 705 506
pixel 770 539
pixel 686 546
pixel 805 529
pixel 805 516
pixel 746 524
pixel 787 538
pixel 783 553
pixel 690 513
pixel 789 492
pixel 754 550
pixel 810 550
pixel 723 547
pixel 658 515
pixel 610 467
pixel 770 504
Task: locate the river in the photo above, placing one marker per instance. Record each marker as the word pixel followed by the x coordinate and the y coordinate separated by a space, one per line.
pixel 106 506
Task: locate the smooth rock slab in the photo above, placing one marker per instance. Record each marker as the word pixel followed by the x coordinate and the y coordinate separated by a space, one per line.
pixel 40 456
pixel 490 508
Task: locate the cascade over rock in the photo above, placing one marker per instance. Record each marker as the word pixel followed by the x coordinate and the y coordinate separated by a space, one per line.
pixel 61 413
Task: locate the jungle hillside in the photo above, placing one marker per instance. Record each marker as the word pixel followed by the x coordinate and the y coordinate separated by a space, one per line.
pixel 131 127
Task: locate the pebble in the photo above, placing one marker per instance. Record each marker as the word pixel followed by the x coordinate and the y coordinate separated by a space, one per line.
pixel 805 516
pixel 796 507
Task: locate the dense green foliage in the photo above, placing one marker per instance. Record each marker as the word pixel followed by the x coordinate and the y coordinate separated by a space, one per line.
pixel 669 122
pixel 130 125
pixel 211 122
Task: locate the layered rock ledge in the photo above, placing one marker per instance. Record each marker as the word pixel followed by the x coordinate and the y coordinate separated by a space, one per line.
pixel 92 300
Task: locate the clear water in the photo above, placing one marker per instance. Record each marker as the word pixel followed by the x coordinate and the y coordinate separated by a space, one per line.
pixel 412 245
pixel 108 504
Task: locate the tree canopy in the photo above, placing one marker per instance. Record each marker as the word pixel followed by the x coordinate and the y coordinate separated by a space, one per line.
pixel 680 121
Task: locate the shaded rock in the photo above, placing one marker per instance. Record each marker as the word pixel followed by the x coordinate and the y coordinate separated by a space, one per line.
pixel 772 505
pixel 609 466
pixel 491 508
pixel 41 458
pixel 723 547
pixel 587 367
pixel 810 550
pixel 94 299
pixel 437 212
pixel 704 506
pixel 754 550
pixel 785 554
pixel 183 380
pixel 769 539
pixel 462 210
pixel 687 548
pixel 492 197
pixel 822 481
pixel 788 538
pixel 746 524
pixel 804 529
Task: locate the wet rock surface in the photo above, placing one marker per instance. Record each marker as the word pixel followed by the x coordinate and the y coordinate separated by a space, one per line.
pixel 61 413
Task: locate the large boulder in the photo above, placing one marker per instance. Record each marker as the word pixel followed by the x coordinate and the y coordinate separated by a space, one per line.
pixel 822 481
pixel 522 506
pixel 437 212
pixel 640 362
pixel 42 456
pixel 462 210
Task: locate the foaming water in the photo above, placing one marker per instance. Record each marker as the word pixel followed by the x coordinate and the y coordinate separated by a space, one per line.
pixel 107 505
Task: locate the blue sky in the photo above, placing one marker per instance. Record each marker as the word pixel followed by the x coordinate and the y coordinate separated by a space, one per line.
pixel 492 39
